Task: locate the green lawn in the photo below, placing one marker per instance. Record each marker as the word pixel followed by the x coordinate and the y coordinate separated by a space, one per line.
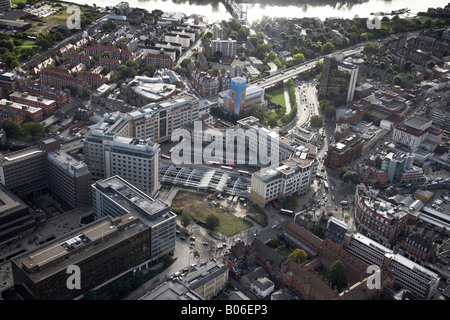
pixel 19 1
pixel 278 97
pixel 198 207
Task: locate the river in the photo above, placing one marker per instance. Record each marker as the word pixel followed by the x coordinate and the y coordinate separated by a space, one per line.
pixel 216 11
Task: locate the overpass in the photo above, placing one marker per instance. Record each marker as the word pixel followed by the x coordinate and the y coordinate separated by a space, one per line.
pixel 292 72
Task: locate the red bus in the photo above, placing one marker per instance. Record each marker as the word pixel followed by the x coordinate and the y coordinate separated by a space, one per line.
pixel 275 204
pixel 243 173
pixel 286 212
pixel 230 165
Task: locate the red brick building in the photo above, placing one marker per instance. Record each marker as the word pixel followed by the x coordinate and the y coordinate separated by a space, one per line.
pixel 112 64
pixel 48 106
pixel 61 78
pixel 343 152
pixel 160 61
pixel 77 58
pixel 35 114
pixel 62 97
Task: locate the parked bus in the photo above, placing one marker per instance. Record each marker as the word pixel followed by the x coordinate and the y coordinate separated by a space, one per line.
pixel 325 184
pixel 163 156
pixel 286 212
pixel 243 173
pixel 275 204
pixel 225 168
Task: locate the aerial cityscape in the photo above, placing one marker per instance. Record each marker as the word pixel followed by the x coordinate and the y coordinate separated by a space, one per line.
pixel 228 151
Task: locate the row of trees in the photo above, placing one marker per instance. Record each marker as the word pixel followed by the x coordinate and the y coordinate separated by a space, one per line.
pixel 30 130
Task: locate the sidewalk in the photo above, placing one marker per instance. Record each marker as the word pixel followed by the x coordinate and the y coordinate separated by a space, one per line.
pixel 286 99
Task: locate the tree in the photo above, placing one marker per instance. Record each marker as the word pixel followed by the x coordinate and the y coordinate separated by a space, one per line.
pixel 397 81
pixel 316 121
pixel 337 275
pixel 212 222
pixel 371 48
pixel 33 130
pixel 185 219
pixel 330 111
pixel 327 48
pixel 10 126
pixel 298 58
pixel 298 255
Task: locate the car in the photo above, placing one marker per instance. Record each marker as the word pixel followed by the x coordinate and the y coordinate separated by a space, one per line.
pixel 205 243
pixel 332 188
pixel 332 197
pixel 182 238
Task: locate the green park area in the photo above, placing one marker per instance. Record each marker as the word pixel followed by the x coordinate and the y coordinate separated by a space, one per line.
pixel 198 207
pixel 277 97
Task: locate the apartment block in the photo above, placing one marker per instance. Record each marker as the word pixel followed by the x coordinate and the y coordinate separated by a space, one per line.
pixel 160 61
pixel 48 106
pixel 116 197
pixel 112 64
pixel 208 85
pixel 60 78
pixel 34 113
pixel 62 97
pixel 227 48
pixel 183 40
pixel 105 250
pixel 77 58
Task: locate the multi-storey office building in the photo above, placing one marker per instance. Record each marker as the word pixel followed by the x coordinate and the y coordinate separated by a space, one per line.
pixel 343 152
pixel 283 179
pixel 407 274
pixel 108 248
pixel 15 217
pixel 135 160
pixel 22 172
pixel 33 172
pixel 381 219
pixel 116 197
pixel 68 179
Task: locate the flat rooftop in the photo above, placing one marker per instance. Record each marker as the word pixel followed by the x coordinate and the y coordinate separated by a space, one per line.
pixel 54 256
pixel 133 200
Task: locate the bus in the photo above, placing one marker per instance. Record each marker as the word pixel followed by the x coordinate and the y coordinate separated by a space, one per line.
pixel 325 184
pixel 243 173
pixel 286 212
pixel 230 165
pixel 226 168
pixel 213 163
pixel 275 204
pixel 163 156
